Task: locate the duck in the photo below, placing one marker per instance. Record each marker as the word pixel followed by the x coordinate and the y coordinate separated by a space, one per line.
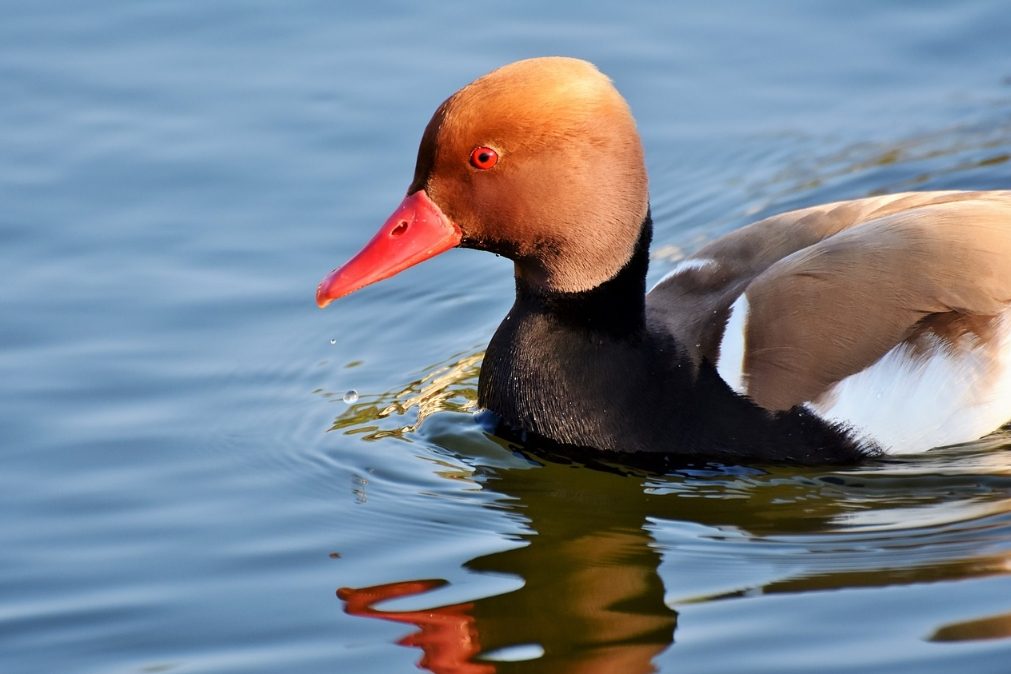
pixel 825 335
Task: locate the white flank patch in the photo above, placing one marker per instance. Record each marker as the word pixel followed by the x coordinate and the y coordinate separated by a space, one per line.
pixel 731 362
pixel 691 264
pixel 910 404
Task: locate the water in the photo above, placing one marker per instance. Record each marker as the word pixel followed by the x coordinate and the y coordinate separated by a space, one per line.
pixel 185 489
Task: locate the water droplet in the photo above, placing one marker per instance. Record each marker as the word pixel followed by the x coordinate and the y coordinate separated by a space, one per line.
pixel 351 396
pixel 333 340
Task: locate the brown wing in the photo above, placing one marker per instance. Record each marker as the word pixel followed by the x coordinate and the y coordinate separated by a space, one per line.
pixel 834 287
pixel 694 305
pixel 833 308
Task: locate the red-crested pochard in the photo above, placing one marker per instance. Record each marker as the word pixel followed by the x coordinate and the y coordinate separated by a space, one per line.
pixel 878 325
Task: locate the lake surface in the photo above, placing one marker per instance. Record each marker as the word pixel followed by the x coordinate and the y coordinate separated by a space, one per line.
pixel 183 487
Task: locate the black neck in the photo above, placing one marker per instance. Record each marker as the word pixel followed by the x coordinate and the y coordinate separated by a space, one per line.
pixel 586 370
pixel 615 307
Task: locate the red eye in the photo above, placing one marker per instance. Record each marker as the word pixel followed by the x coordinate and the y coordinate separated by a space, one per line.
pixel 483 158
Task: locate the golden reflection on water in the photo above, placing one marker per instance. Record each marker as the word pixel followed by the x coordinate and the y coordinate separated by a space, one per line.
pixel 593 600
pixel 448 387
pixel 992 627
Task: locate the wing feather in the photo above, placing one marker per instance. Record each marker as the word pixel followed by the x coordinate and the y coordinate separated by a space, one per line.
pixel 833 308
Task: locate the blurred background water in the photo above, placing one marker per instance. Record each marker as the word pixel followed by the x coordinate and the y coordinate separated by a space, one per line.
pixel 184 487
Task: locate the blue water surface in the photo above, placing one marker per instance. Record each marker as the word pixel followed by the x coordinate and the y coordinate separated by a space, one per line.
pixel 184 487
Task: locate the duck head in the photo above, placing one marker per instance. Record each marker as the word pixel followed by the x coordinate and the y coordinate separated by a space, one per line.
pixel 538 161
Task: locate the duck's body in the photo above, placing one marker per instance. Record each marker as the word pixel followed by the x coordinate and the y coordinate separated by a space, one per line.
pixel 821 335
pixel 602 369
pixel 889 315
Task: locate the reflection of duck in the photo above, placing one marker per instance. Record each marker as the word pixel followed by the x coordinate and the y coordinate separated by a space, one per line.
pixel 819 335
pixel 593 596
pixel 446 635
pixel 991 627
pixel 591 601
